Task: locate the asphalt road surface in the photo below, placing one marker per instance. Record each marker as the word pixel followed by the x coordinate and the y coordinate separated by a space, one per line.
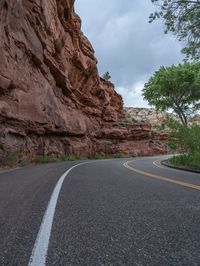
pixel 109 212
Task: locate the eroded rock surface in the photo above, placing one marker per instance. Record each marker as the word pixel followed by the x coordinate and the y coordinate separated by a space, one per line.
pixel 52 100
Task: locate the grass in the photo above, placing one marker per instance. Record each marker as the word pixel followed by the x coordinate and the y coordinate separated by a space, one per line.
pixel 69 158
pixel 106 156
pixel 47 159
pixel 189 160
pixel 43 159
pixel 12 158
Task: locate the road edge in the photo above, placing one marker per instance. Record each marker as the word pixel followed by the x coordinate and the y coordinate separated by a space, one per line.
pixel 183 168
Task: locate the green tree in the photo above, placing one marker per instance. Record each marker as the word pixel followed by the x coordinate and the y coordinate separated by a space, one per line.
pixel 106 76
pixel 182 17
pixel 177 88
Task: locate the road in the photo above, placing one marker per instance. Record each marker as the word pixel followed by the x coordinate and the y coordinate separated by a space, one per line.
pixel 109 212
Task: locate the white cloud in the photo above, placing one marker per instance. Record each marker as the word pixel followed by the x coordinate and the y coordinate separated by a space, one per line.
pixel 133 96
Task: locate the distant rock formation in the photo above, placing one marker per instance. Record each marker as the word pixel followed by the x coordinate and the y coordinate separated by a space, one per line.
pixel 148 115
pixel 52 100
pixel 153 117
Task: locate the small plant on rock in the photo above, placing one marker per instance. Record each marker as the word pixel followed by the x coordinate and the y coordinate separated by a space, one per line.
pixel 106 76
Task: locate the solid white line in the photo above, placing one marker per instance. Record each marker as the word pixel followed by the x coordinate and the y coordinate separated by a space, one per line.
pixel 40 249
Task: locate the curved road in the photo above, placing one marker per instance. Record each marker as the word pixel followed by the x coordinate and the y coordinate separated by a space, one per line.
pixel 110 212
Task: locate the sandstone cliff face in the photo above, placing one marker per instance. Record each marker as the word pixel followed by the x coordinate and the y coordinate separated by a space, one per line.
pixel 52 100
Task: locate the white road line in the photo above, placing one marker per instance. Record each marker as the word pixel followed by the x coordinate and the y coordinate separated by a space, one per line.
pixel 158 164
pixel 40 249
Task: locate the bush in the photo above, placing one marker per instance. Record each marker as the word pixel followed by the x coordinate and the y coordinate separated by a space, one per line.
pixel 159 127
pixel 191 160
pixel 44 159
pixel 10 159
pixel 110 156
pixel 69 158
pixel 47 159
pixel 172 145
pixel 106 76
pixel 186 140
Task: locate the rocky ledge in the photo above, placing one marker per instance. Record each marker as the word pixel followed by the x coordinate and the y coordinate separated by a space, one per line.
pixel 52 100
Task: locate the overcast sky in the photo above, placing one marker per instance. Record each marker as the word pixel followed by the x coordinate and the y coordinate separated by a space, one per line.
pixel 125 43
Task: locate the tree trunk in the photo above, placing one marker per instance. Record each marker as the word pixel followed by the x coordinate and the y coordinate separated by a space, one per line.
pixel 183 118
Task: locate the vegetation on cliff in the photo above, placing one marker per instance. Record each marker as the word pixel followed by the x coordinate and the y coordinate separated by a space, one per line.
pixel 106 76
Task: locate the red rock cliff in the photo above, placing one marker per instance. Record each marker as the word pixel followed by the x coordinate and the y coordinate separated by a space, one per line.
pixel 52 100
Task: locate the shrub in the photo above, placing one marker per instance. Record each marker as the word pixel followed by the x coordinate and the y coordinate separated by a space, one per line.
pixel 110 156
pixel 106 76
pixel 186 138
pixel 69 158
pixel 191 160
pixel 44 159
pixel 10 159
pixel 187 141
pixel 159 127
pixel 47 159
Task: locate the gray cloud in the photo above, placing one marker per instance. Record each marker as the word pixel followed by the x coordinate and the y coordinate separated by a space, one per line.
pixel 125 43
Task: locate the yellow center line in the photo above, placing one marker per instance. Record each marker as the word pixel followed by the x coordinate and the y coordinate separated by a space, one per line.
pixel 170 180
